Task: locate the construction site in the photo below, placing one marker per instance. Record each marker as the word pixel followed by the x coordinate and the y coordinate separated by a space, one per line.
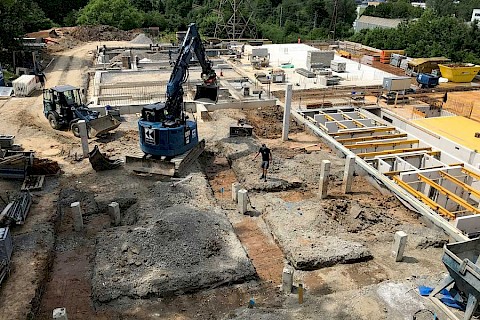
pixel 136 184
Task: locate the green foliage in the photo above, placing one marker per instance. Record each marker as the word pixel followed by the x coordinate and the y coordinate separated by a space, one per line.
pixel 461 9
pixel 430 36
pixel 154 19
pixel 59 10
pixel 393 10
pixel 118 13
pixel 18 17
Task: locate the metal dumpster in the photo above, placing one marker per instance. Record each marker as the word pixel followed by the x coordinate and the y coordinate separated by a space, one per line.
pixel 462 262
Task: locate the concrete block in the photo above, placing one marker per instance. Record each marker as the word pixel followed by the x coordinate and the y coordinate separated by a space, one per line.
pixel 235 188
pixel 399 243
pixel 468 224
pixel 286 113
pixel 82 125
pixel 202 112
pixel 77 216
pixel 60 314
pixel 242 201
pixel 324 174
pixel 348 174
pixel 287 280
pixel 114 212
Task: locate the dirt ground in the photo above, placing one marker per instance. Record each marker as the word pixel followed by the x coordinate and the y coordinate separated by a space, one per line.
pixel 54 266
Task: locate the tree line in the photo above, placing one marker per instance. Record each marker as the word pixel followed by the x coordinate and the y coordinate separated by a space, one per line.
pixel 440 30
pixel 429 36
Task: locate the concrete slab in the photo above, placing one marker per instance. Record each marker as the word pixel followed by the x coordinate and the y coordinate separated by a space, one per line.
pixel 183 250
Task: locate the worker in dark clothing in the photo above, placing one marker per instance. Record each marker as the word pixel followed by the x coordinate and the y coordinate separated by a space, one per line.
pixel 41 79
pixel 266 159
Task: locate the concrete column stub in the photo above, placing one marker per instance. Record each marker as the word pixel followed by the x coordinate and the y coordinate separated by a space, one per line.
pixel 348 174
pixel 324 174
pixel 82 126
pixel 60 314
pixel 242 201
pixel 287 280
pixel 114 211
pixel 399 243
pixel 77 216
pixel 286 113
pixel 235 188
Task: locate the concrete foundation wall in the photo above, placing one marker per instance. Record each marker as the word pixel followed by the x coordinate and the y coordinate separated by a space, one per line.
pixel 452 152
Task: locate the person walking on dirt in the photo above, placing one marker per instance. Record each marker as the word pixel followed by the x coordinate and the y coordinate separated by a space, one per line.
pixel 41 78
pixel 266 159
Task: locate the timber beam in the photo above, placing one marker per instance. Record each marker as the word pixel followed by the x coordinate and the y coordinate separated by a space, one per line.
pixel 381 144
pixel 465 186
pixel 448 194
pixel 396 151
pixel 369 130
pixel 417 194
pixel 369 138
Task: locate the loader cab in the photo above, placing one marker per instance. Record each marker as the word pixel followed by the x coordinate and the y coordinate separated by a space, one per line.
pixel 62 105
pixel 61 99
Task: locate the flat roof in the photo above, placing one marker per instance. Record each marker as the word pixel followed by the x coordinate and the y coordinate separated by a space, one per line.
pixel 458 129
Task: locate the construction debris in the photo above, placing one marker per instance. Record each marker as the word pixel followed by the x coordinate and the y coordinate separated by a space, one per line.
pixel 6 249
pixel 32 183
pixel 100 163
pixel 100 33
pixel 16 211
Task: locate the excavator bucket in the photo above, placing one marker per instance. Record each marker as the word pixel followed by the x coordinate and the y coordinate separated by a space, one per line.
pixel 206 94
pixel 103 125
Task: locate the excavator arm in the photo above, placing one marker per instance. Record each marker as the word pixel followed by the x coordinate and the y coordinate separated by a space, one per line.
pixel 208 90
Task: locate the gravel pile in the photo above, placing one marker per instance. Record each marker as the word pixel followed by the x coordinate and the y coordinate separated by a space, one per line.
pixel 142 39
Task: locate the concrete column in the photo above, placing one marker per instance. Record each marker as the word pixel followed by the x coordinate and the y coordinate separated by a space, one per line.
pixel 242 201
pixel 399 243
pixel 286 114
pixel 235 188
pixel 287 280
pixel 114 212
pixel 77 216
pixel 348 174
pixel 324 174
pixel 82 125
pixel 60 314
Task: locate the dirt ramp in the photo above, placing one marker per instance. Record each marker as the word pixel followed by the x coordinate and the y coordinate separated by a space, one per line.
pixel 183 250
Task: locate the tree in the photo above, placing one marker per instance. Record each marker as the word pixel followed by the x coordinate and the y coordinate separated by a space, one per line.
pixel 58 10
pixel 118 13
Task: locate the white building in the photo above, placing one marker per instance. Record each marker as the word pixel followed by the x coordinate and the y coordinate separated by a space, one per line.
pixel 476 15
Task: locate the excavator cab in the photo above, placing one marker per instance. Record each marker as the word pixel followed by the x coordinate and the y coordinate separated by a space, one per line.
pixel 206 93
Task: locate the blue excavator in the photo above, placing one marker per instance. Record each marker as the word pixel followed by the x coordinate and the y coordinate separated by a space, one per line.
pixel 168 137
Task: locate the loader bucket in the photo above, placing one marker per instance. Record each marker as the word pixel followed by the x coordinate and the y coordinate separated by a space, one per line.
pixel 103 124
pixel 206 94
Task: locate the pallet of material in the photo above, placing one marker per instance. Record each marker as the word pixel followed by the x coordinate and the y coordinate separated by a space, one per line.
pixel 305 73
pixel 13 167
pixel 16 211
pixel 32 183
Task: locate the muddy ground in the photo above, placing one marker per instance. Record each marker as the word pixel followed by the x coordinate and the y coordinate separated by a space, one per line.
pixel 196 233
